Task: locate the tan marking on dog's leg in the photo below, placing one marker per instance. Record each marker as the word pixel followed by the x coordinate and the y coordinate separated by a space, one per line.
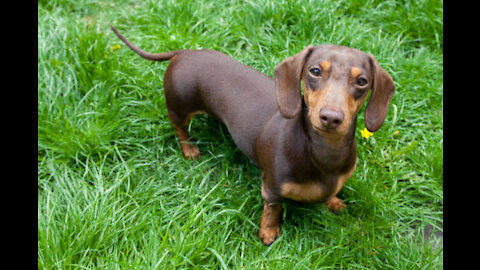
pixel 270 223
pixel 189 150
pixel 187 120
pixel 344 178
pixel 335 203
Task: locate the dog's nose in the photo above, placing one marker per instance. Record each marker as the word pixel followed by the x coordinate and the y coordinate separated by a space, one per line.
pixel 331 118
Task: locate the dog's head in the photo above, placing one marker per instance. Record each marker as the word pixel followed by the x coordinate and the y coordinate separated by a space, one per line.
pixel 336 81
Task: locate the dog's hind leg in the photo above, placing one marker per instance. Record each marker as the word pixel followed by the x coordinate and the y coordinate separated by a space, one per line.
pixel 189 150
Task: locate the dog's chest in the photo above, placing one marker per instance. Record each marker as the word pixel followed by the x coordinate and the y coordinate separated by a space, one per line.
pixel 315 191
pixel 312 191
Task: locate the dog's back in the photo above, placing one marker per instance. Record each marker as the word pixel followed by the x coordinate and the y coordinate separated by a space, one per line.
pixel 234 96
pixel 241 97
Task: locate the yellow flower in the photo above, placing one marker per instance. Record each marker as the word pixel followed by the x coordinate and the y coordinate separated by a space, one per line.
pixel 115 47
pixel 365 133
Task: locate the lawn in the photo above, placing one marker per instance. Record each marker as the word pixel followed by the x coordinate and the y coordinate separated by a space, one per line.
pixel 114 191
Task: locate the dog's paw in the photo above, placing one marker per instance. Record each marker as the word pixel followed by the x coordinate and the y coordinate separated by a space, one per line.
pixel 191 152
pixel 269 234
pixel 335 204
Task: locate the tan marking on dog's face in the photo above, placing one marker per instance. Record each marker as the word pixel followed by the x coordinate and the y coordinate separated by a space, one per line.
pixel 355 71
pixel 359 103
pixel 325 65
pixel 321 98
pixel 334 91
pixel 308 192
pixel 315 100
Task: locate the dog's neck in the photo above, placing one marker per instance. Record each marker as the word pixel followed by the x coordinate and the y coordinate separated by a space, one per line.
pixel 328 151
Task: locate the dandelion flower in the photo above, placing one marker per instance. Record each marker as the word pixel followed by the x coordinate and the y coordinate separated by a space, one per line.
pixel 365 133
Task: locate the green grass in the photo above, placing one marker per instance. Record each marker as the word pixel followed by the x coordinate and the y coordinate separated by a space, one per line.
pixel 114 191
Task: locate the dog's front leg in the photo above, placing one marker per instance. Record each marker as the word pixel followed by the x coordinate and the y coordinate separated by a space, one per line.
pixel 270 223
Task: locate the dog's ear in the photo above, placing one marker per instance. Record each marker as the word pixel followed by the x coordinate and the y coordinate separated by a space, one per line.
pixel 382 92
pixel 287 83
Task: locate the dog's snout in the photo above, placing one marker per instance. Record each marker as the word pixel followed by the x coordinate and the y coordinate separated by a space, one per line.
pixel 331 118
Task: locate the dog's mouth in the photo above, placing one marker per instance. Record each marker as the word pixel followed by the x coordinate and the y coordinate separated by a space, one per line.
pixel 324 130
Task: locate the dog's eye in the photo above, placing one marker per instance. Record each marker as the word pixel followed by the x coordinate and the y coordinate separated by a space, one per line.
pixel 315 72
pixel 361 82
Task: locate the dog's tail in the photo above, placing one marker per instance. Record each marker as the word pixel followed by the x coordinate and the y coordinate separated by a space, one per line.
pixel 142 53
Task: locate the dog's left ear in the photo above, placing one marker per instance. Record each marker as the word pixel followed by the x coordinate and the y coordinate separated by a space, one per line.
pixel 382 92
pixel 287 83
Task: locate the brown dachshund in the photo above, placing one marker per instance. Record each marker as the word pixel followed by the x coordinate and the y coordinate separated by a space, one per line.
pixel 305 146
